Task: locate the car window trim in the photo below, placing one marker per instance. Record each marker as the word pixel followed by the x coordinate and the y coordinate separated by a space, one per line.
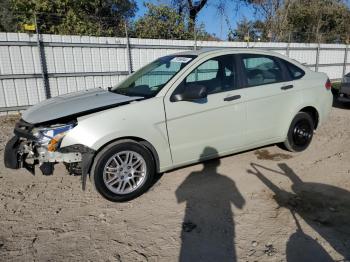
pixel 182 67
pixel 285 77
pixel 286 64
pixel 237 71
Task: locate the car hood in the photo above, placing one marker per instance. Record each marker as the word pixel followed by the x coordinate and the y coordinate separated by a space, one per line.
pixel 74 104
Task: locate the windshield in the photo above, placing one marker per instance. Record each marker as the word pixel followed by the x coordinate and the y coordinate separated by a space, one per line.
pixel 149 80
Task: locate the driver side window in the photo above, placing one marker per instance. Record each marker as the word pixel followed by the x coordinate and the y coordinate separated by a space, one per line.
pixel 217 75
pixel 206 71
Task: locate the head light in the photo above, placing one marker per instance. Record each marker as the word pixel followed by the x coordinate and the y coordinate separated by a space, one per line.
pixel 52 136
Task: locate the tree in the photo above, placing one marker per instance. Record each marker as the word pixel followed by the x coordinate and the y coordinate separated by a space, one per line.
pixel 192 8
pixel 267 9
pixel 7 20
pixel 95 17
pixel 266 12
pixel 303 21
pixel 161 22
pixel 165 22
pixel 315 21
pixel 246 28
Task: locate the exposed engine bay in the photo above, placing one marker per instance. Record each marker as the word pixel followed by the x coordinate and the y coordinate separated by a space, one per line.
pixel 40 146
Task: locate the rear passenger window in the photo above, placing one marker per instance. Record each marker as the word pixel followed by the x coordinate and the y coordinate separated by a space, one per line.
pixel 295 72
pixel 261 70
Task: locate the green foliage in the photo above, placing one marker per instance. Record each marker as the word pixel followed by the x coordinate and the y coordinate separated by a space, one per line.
pixel 97 18
pixel 161 22
pixel 325 21
pixel 276 20
pixel 164 22
pixel 246 28
pixel 84 17
pixel 336 85
pixel 313 20
pixel 6 17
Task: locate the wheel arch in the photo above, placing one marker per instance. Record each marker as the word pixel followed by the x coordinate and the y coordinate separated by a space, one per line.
pixel 312 111
pixel 139 140
pixel 307 108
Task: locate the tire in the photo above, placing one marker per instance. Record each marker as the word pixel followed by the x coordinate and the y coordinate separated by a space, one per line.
pixel 300 133
pixel 123 171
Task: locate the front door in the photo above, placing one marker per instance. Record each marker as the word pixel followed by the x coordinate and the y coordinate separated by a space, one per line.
pixel 217 121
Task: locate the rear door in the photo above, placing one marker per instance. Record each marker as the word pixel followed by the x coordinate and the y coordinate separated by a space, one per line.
pixel 217 121
pixel 270 95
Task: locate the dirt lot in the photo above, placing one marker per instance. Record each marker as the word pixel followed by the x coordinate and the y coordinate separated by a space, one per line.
pixel 261 205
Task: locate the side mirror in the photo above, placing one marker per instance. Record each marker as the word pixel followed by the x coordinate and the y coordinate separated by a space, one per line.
pixel 192 92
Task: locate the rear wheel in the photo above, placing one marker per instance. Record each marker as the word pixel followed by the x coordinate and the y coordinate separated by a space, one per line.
pixel 123 171
pixel 300 133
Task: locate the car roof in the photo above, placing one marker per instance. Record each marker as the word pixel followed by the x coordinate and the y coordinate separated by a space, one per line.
pixel 229 50
pixel 206 51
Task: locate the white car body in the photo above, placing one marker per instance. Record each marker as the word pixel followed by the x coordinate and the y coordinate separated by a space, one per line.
pixel 179 131
pixel 178 110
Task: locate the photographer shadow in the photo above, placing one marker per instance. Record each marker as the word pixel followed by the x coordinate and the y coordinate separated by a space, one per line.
pixel 324 208
pixel 208 229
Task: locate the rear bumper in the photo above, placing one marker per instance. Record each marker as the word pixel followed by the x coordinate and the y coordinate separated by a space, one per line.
pixel 345 84
pixel 343 98
pixel 345 88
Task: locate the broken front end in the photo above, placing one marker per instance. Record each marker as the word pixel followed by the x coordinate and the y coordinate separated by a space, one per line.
pixel 40 145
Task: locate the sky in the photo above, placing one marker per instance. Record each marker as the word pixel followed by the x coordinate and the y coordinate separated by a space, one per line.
pixel 214 22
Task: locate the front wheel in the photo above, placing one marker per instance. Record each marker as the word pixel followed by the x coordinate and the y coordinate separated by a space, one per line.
pixel 123 171
pixel 300 133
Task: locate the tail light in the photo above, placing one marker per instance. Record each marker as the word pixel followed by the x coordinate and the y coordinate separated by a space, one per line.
pixel 328 84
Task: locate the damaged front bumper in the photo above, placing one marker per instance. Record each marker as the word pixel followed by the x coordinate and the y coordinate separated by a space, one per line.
pixel 24 151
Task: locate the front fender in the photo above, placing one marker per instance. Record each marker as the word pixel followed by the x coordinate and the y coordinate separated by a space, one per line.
pixel 144 120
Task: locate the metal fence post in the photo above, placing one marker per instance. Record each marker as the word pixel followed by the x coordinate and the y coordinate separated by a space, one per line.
pixel 346 53
pixel 317 57
pixel 195 38
pixel 42 59
pixel 128 51
pixel 288 45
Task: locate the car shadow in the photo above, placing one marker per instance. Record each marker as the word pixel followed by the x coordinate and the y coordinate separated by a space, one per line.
pixel 208 229
pixel 325 208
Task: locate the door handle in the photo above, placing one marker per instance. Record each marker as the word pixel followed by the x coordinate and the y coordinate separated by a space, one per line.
pixel 231 98
pixel 287 87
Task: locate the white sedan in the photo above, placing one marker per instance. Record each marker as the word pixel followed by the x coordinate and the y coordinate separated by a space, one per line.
pixel 178 110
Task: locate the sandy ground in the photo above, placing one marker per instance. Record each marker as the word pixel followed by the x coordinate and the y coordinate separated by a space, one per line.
pixel 261 205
